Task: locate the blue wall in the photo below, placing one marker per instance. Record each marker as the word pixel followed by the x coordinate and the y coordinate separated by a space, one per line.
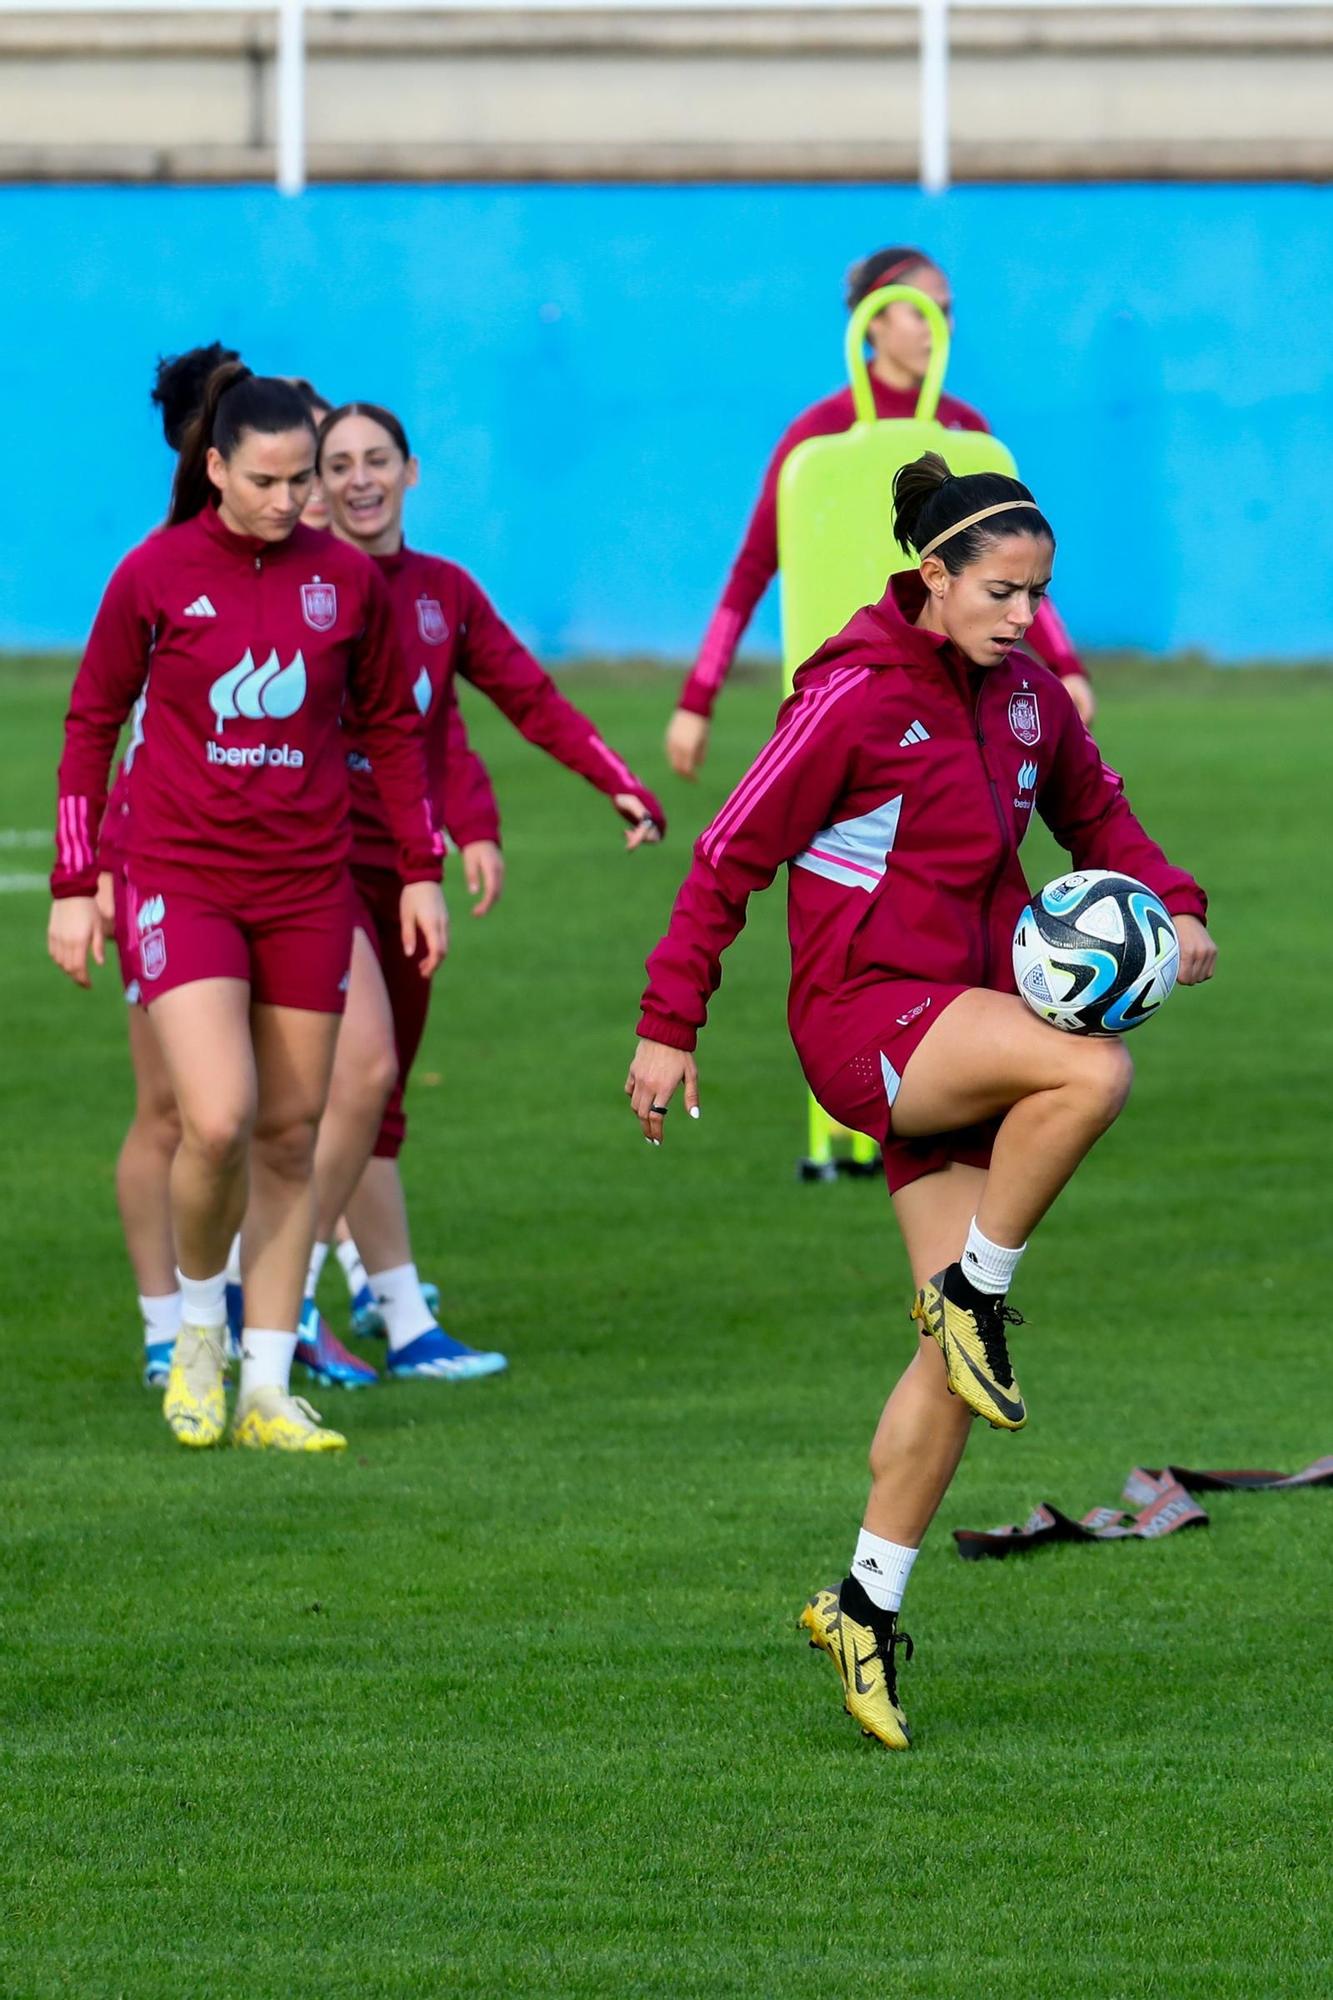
pixel 595 376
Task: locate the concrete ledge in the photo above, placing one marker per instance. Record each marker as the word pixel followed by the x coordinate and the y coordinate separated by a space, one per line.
pixel 1029 161
pixel 852 31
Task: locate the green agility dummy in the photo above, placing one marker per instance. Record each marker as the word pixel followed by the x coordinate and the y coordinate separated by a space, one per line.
pixel 836 552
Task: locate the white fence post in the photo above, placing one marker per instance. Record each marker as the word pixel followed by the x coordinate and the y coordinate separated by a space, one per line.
pixel 934 137
pixel 291 96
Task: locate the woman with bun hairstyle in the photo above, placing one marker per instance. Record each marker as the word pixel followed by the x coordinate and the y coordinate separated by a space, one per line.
pixel 900 343
pixel 448 629
pixel 903 773
pixel 247 636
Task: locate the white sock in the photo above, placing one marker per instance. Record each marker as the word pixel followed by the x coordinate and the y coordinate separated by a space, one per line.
pixel 882 1569
pixel 317 1257
pixel 161 1318
pixel 266 1359
pixel 988 1266
pixel 353 1269
pixel 398 1296
pixel 203 1300
pixel 234 1261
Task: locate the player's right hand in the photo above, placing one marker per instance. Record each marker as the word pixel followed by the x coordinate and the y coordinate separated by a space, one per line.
pixel 655 1075
pixel 75 929
pixel 687 742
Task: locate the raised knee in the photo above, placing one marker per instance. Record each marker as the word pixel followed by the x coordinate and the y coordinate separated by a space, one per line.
pixel 1107 1078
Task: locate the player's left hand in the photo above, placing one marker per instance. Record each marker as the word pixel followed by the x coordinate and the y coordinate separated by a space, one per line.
pixel 75 930
pixel 1198 953
pixel 655 1075
pixel 484 873
pixel 422 914
pixel 643 828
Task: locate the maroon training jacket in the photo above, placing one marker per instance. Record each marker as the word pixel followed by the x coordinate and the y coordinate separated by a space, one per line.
pixel 896 788
pixel 245 652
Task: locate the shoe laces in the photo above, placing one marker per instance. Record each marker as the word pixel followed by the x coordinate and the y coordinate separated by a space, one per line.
pixel 888 1643
pixel 991 1322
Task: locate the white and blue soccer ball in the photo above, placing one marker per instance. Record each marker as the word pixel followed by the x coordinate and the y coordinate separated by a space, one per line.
pixel 1095 953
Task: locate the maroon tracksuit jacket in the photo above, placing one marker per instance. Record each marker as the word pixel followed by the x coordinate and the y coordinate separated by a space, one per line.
pixel 246 652
pixel 756 565
pixel 897 788
pixel 447 626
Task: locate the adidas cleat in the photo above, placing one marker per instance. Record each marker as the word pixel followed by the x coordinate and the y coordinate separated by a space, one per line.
pixel 861 1641
pixel 321 1353
pixel 157 1363
pixel 434 1357
pixel 195 1405
pixel 367 1318
pixel 971 1339
pixel 271 1420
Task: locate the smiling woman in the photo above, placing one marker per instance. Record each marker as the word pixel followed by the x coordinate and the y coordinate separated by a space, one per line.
pixel 259 634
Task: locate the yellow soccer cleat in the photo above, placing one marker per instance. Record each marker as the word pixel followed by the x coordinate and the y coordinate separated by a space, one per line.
pixel 270 1420
pixel 861 1641
pixel 194 1404
pixel 971 1339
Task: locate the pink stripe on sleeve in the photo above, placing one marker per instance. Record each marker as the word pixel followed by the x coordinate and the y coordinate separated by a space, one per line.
pixel 779 754
pixel 719 645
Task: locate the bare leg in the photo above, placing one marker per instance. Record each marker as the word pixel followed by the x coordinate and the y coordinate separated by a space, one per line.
pixel 364 1070
pixel 924 1430
pixel 377 1215
pixel 143 1170
pixel 293 1053
pixel 203 1032
pixel 988 1056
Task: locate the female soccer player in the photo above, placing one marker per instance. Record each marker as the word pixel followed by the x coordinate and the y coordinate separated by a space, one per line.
pixel 902 776
pixel 257 632
pixel 447 627
pixel 900 340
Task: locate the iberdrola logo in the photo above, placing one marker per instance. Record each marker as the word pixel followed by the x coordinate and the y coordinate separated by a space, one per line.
pixel 270 690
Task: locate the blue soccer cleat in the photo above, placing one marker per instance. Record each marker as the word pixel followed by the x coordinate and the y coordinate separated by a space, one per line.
pixel 434 1357
pixel 323 1355
pixel 157 1363
pixel 235 1319
pixel 368 1320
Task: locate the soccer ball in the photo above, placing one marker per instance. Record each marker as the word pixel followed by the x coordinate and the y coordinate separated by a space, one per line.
pixel 1095 953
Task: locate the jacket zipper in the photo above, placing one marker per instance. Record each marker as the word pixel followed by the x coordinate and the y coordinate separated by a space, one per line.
pixel 1005 843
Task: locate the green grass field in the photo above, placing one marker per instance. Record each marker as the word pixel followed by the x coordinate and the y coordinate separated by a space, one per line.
pixel 507 1700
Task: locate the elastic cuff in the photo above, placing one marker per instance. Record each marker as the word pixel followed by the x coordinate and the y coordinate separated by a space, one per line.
pixel 1187 903
pixel 695 703
pixel 656 1028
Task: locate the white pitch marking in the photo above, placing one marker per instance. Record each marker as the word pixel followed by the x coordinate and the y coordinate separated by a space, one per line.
pixel 15 885
pixel 25 836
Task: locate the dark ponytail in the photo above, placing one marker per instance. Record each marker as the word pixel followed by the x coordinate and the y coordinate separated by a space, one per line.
pixel 377 414
pixel 179 381
pixel 928 500
pixel 893 266
pixel 234 402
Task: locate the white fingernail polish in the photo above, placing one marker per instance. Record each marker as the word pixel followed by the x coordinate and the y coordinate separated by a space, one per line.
pixel 694 1111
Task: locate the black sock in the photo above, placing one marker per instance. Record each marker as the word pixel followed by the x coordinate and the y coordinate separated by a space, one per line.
pixel 960 1291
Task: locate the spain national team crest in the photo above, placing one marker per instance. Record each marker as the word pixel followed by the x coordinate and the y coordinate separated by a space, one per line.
pixel 431 621
pixel 319 605
pixel 1025 718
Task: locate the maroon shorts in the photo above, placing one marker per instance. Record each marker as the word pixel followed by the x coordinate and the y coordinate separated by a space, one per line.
pixel 377 892
pixel 861 1094
pixel 126 955
pixel 292 944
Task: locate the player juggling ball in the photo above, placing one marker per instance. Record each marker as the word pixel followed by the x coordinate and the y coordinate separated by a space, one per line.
pixel 260 634
pixel 448 630
pixel 903 773
pixel 900 355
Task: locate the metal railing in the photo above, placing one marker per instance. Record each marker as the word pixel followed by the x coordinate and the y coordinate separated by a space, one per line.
pixel 933 18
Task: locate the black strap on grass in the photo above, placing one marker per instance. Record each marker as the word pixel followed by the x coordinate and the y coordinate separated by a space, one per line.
pixel 1162 1498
